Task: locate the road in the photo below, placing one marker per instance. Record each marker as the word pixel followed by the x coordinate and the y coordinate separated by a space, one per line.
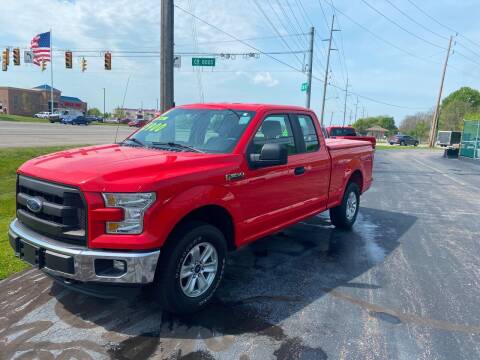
pixel 23 134
pixel 405 284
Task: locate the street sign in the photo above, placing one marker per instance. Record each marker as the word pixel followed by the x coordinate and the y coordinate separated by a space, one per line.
pixel 304 86
pixel 28 57
pixel 203 61
pixel 177 61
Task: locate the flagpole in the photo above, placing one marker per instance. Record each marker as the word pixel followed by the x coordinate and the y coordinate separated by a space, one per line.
pixel 51 71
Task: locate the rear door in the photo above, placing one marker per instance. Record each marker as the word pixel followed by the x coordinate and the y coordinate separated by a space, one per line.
pixel 314 158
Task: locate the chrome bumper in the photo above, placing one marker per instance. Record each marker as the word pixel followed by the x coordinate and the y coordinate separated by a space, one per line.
pixel 80 263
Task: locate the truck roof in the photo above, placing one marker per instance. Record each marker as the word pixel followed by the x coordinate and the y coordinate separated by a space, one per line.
pixel 246 106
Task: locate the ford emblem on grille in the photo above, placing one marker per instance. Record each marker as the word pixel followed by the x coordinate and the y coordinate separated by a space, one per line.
pixel 34 205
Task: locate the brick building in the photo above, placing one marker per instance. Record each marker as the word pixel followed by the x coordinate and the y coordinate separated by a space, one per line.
pixel 27 102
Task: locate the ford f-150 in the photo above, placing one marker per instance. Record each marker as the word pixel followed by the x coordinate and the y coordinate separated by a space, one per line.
pixel 164 207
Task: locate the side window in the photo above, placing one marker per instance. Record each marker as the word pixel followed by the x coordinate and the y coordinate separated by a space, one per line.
pixel 309 133
pixel 275 129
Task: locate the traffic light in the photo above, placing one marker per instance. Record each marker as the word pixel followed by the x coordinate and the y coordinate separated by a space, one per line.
pixel 5 59
pixel 68 59
pixel 43 65
pixel 83 64
pixel 16 56
pixel 108 61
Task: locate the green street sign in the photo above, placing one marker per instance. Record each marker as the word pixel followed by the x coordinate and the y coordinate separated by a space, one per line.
pixel 304 86
pixel 203 61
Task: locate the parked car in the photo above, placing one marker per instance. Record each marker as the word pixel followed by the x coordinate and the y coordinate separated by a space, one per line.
pixel 138 123
pixel 348 132
pixel 403 140
pixel 42 115
pixel 93 118
pixel 75 120
pixel 164 207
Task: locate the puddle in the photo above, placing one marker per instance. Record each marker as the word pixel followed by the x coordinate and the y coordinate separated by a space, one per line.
pixel 368 232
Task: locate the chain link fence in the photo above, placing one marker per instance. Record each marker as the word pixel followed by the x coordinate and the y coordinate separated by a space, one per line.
pixel 470 145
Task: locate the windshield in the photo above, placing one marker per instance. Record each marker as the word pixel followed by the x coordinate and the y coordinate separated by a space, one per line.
pixel 342 132
pixel 202 130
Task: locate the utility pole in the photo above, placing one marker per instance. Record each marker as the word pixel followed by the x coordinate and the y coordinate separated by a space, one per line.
pixel 166 55
pixel 104 104
pixel 350 116
pixel 310 61
pixel 331 119
pixel 433 128
pixel 363 112
pixel 325 79
pixel 356 109
pixel 345 104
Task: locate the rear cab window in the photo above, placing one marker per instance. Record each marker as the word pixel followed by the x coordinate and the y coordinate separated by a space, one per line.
pixel 309 133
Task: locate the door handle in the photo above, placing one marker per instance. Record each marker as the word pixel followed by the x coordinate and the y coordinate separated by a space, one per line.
pixel 299 170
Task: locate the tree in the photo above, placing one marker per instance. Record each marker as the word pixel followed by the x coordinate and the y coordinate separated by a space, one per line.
pixel 387 122
pixel 458 105
pixel 118 113
pixel 417 125
pixel 94 111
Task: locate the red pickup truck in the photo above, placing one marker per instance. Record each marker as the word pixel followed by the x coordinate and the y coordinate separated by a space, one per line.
pixel 163 207
pixel 348 132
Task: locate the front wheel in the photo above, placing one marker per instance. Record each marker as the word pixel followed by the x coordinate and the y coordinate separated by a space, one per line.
pixel 344 215
pixel 190 267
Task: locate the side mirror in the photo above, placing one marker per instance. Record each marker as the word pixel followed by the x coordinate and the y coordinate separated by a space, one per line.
pixel 270 155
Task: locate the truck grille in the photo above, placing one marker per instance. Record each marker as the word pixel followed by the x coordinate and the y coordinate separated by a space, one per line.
pixel 53 210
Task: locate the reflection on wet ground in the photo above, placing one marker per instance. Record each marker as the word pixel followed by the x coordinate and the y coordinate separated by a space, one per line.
pixel 265 284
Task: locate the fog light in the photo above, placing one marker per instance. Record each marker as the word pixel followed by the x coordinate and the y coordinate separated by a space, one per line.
pixel 120 266
pixel 110 267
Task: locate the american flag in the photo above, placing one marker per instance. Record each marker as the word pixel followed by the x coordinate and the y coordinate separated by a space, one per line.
pixel 40 46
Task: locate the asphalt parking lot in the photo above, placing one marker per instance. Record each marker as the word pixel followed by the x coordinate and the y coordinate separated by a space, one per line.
pixel 22 134
pixel 405 284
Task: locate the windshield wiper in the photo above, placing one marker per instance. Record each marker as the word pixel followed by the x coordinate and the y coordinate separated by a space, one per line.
pixel 177 145
pixel 132 139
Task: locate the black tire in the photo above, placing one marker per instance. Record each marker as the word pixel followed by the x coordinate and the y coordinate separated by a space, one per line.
pixel 338 215
pixel 416 143
pixel 166 287
pixel 402 143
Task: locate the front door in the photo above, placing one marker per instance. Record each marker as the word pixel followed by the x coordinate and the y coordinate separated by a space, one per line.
pixel 273 196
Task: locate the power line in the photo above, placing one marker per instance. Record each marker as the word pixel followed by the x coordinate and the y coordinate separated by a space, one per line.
pixel 442 24
pixel 378 37
pixel 285 63
pixel 415 21
pixel 247 39
pixel 401 27
pixel 275 29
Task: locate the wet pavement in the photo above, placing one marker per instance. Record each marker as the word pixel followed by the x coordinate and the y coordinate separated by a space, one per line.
pixel 403 285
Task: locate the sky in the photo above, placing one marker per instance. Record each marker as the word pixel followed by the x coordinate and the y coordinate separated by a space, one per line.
pixel 393 62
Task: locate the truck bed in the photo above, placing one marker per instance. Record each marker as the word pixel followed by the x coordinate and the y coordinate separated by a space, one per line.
pixel 347 155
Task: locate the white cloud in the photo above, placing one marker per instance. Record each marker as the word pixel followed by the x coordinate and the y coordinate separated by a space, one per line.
pixel 265 78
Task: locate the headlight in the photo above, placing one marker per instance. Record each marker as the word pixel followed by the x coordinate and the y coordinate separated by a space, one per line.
pixel 134 206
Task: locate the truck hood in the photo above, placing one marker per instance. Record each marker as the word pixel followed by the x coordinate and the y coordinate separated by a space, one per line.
pixel 122 168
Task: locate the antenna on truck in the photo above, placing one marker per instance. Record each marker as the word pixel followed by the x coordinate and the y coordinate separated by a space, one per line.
pixel 123 106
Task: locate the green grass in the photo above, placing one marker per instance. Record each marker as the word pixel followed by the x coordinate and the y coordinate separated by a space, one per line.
pixel 18 118
pixel 398 147
pixel 10 160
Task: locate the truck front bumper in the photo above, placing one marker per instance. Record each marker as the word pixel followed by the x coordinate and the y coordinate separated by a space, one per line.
pixel 78 263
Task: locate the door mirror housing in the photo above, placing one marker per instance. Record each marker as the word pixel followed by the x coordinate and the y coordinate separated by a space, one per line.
pixel 270 155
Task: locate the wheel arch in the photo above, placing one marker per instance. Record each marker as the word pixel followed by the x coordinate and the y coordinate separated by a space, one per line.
pixel 213 214
pixel 356 177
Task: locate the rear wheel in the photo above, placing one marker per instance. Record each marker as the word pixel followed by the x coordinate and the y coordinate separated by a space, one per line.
pixel 190 267
pixel 344 215
pixel 402 143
